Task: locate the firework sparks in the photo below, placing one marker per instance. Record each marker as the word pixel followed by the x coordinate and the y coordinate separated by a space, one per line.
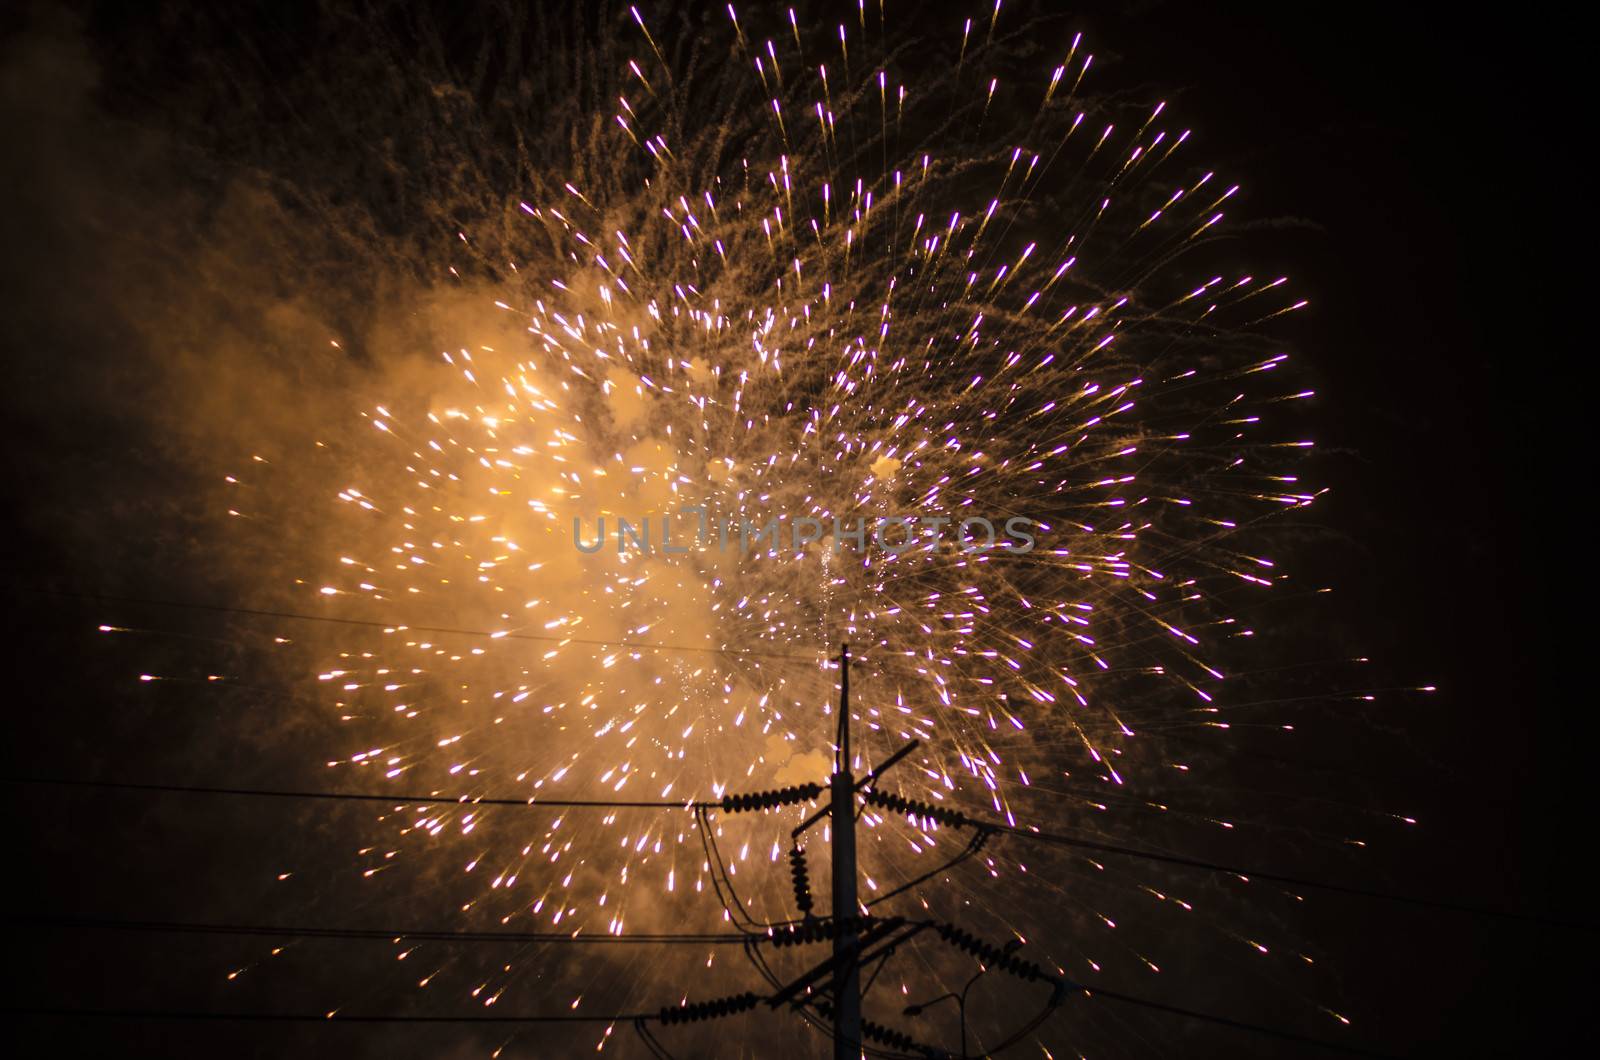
pixel 835 297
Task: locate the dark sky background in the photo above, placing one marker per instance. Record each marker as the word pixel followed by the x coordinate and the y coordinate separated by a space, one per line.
pixel 1422 167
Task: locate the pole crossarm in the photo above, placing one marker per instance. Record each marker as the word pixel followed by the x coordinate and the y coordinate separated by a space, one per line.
pixel 863 784
pixel 877 930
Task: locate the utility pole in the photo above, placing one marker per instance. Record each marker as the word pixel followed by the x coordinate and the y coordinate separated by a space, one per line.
pixel 858 940
pixel 846 910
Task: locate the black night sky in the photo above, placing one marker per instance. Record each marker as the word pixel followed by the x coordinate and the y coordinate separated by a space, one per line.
pixel 1415 172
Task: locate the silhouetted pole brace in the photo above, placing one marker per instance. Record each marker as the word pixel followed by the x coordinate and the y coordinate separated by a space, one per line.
pixel 858 940
pixel 847 943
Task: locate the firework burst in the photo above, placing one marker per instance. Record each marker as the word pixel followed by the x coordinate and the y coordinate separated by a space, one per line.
pixel 805 279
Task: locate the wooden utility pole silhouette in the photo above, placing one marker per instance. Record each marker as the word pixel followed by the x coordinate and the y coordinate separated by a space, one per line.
pixel 846 910
pixel 856 939
pixel 850 932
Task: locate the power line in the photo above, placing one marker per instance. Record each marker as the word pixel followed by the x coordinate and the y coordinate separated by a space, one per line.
pixel 692 1012
pixel 181 927
pixel 200 1015
pixel 846 962
pixel 1059 839
pixel 357 796
pixel 406 626
pixel 1054 838
pixel 1224 1021
pixel 724 938
pixel 418 934
pixel 309 1017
